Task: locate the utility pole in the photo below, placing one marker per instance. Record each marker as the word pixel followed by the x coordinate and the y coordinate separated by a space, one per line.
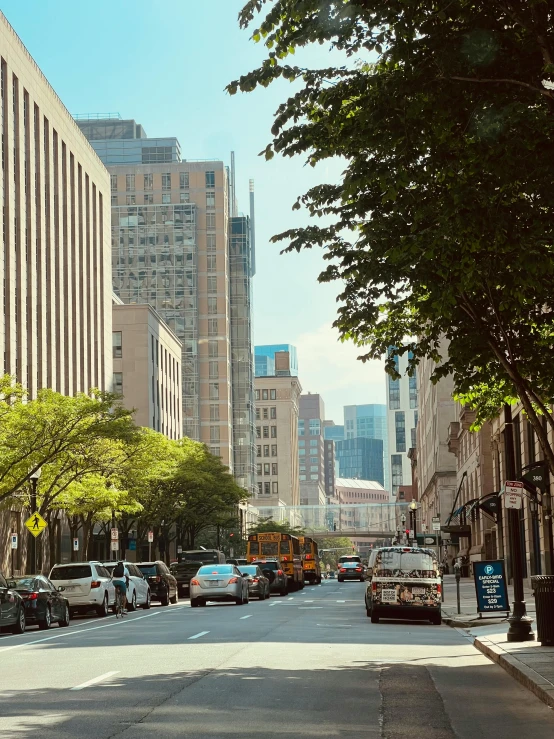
pixel 520 623
pixel 33 549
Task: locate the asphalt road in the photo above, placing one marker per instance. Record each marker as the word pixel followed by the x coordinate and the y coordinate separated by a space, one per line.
pixel 307 665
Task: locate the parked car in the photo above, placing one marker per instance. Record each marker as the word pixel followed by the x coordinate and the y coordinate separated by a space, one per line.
pixel 163 585
pixel 12 608
pixel 138 592
pixel 406 584
pixel 271 568
pixel 189 562
pixel 87 586
pixel 258 583
pixel 218 583
pixel 351 571
pixel 44 603
pixel 237 562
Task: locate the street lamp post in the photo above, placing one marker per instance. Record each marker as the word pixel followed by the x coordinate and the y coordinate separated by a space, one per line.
pixel 520 623
pixel 33 542
pixel 413 511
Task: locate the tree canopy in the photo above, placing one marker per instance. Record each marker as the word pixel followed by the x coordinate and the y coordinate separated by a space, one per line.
pixel 441 226
pixel 267 524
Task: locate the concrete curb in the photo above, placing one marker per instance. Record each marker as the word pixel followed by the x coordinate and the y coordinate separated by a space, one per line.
pixel 463 621
pixel 540 686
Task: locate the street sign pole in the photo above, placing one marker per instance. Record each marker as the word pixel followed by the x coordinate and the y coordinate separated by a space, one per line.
pixel 33 539
pixel 520 623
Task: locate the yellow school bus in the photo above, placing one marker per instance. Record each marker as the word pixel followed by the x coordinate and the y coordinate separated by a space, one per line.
pixel 283 547
pixel 310 559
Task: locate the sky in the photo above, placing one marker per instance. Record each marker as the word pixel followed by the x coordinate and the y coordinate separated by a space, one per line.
pixel 166 65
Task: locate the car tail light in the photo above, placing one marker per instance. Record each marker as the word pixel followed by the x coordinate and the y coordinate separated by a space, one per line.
pixel 30 596
pixel 233 579
pixel 158 578
pixel 279 572
pixel 358 569
pixel 374 587
pixel 343 569
pixel 308 556
pixel 194 581
pixel 285 559
pixel 95 584
pixel 255 579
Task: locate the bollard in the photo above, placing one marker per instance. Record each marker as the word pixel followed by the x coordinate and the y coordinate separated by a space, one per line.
pixel 458 572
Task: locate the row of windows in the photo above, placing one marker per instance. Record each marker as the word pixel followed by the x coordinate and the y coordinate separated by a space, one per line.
pixel 266 488
pixel 266 412
pixel 266 395
pixel 148 181
pixel 148 199
pixel 303 478
pixel 269 468
pixel 266 450
pixel 313 468
pixel 314 427
pixel 313 443
pixel 265 431
pixel 400 430
pixel 313 460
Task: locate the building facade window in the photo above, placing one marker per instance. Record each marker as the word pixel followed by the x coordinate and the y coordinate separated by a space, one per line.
pixel 273 394
pixel 214 412
pixel 148 198
pixel 258 450
pixel 118 383
pixel 267 490
pixel 210 200
pixel 257 394
pixel 214 433
pixel 257 414
pixel 211 263
pixel 131 199
pixel 166 181
pixel 148 181
pixel 274 432
pixel 210 179
pixel 266 450
pixel 210 220
pixel 275 487
pixel 213 369
pixel 315 427
pixel 183 180
pixel 396 472
pixel 273 412
pixel 301 430
pixel 413 391
pixel 264 395
pixel 274 468
pixel 266 468
pixel 212 284
pixel 259 469
pixel 166 198
pixel 400 430
pixel 212 326
pixel 301 452
pixel 130 182
pixel 113 182
pixel 260 484
pixel 266 432
pixel 394 394
pixel 214 390
pixel 117 344
pixel 274 450
pixel 212 306
pixel 213 348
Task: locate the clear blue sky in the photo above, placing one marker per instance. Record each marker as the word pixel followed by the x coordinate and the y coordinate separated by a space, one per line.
pixel 166 65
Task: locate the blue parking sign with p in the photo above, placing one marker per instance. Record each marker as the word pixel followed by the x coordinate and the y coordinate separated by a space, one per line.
pixel 490 586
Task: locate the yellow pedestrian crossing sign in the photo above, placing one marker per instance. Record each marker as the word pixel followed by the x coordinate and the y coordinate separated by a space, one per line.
pixel 36 524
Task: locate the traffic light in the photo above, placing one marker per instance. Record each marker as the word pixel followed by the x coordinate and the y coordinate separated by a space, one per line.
pixel 231 536
pixel 407 532
pixel 353 549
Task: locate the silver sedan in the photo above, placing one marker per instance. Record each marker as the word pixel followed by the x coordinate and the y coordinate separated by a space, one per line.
pixel 218 583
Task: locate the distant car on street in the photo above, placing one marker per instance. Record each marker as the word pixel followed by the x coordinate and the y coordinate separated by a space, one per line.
pixel 12 608
pixel 351 571
pixel 258 583
pixel 163 585
pixel 44 603
pixel 218 583
pixel 271 568
pixel 188 563
pixel 237 562
pixel 138 592
pixel 87 586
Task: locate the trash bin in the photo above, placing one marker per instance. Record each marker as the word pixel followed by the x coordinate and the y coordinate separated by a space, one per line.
pixel 543 590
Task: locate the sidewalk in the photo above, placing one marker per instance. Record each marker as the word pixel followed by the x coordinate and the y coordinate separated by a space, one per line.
pixel 527 662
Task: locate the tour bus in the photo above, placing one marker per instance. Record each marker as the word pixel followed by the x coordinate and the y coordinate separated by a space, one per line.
pixel 283 547
pixel 310 560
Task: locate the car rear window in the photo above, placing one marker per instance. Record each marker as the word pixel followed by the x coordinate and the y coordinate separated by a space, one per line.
pixel 199 557
pixel 71 572
pixel 351 558
pixel 147 569
pixel 249 570
pixel 268 566
pixel 24 583
pixel 219 569
pixel 346 565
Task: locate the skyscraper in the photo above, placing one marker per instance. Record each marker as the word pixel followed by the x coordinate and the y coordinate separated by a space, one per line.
pixel 265 359
pixel 360 458
pixel 178 244
pixel 311 451
pixel 369 421
pixel 402 417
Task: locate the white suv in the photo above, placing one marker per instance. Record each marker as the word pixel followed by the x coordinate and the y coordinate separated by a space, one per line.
pixel 138 592
pixel 87 586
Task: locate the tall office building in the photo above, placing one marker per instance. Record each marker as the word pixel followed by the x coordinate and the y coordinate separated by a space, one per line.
pixel 369 421
pixel 279 358
pixel 176 245
pixel 360 458
pixel 311 451
pixel 56 322
pixel 402 417
pixel 332 431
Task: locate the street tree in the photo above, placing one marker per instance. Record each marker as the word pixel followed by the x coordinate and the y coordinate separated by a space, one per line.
pixel 266 523
pixel 441 226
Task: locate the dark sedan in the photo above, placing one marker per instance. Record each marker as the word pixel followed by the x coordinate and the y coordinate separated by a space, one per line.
pixel 271 569
pixel 163 585
pixel 12 610
pixel 44 603
pixel 351 571
pixel 258 583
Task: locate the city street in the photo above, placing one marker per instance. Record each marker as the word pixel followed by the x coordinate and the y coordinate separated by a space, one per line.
pixel 306 665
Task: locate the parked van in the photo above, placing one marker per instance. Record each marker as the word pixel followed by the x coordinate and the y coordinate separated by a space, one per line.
pixel 405 584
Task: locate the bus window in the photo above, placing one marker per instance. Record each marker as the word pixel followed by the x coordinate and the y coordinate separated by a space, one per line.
pixel 269 548
pixel 285 547
pixel 253 547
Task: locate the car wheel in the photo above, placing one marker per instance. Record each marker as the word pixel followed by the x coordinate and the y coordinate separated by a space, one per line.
pixel 102 610
pixel 46 621
pixel 65 620
pixel 238 601
pixel 194 603
pixel 148 603
pixel 132 604
pixel 436 619
pixel 362 579
pixel 19 625
pixel 374 617
pixel 164 601
pixel 175 599
pixel 302 584
pixel 283 592
pixel 340 579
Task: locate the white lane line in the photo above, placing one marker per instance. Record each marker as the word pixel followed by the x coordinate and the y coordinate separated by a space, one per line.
pixel 249 616
pixel 79 631
pixel 341 601
pixel 275 603
pixel 291 598
pixel 200 633
pixel 95 680
pixel 308 601
pixel 308 608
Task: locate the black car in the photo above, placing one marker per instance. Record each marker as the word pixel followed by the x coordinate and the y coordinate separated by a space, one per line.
pixel 163 586
pixel 44 603
pixel 12 608
pixel 351 571
pixel 238 562
pixel 271 568
pixel 258 583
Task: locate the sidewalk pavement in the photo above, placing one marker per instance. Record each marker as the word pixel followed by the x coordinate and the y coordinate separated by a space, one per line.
pixel 528 662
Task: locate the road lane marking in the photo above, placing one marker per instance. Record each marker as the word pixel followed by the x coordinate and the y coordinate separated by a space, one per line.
pixel 200 633
pixel 95 680
pixel 308 601
pixel 79 631
pixel 341 601
pixel 249 616
pixel 308 608
pixel 273 604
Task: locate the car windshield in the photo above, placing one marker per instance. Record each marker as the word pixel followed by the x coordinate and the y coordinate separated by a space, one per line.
pixel 350 564
pixel 217 570
pixel 22 583
pixel 198 557
pixel 109 566
pixel 249 570
pixel 147 569
pixel 268 565
pixel 71 572
pixel 343 560
pixel 405 564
